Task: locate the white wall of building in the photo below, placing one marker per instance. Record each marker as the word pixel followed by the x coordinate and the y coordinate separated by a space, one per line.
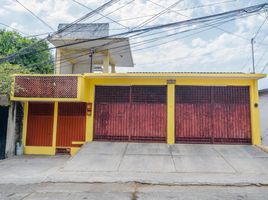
pixel 263 105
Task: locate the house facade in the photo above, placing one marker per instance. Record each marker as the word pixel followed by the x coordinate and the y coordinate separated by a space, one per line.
pixel 86 100
pixel 263 115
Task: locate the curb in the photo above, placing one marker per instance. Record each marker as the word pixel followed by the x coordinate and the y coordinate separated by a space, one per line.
pixel 263 148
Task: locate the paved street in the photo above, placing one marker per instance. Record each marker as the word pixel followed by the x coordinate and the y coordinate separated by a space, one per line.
pixel 98 191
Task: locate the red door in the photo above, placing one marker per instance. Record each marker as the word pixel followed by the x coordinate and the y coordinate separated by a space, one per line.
pixel 71 124
pixel 40 124
pixel 212 114
pixel 136 113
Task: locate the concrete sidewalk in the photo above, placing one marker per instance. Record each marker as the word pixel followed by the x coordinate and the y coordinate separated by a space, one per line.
pixel 144 163
pixel 164 164
pixel 29 169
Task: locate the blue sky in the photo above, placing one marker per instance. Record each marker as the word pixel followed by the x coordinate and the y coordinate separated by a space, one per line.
pixel 211 50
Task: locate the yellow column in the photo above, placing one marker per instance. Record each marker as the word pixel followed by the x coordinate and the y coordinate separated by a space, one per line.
pixel 55 122
pixel 90 119
pixel 113 68
pixel 25 119
pixel 171 113
pixel 255 114
pixel 106 63
pixel 57 62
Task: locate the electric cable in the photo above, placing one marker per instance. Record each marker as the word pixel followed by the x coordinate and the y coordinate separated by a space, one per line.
pixel 35 15
pixel 228 14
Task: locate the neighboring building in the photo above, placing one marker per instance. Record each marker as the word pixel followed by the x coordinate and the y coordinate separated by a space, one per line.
pixel 90 39
pixel 4 107
pixel 74 106
pixel 264 115
pixel 10 122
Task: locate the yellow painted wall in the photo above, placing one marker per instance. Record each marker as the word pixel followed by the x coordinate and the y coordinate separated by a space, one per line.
pixel 171 98
pixel 255 113
pixel 87 94
pixel 171 113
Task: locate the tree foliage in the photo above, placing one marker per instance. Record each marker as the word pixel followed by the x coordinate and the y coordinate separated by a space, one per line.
pixel 6 72
pixel 35 61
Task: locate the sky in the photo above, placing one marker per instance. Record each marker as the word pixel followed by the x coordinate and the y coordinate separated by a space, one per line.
pixel 225 48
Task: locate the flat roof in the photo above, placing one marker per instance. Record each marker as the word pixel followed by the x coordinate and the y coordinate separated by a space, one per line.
pixel 263 91
pixel 197 75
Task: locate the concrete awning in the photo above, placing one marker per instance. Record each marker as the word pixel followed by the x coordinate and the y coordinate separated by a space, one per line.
pixel 118 50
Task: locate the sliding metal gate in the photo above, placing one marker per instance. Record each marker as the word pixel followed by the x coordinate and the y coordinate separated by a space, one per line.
pixel 212 114
pixel 130 113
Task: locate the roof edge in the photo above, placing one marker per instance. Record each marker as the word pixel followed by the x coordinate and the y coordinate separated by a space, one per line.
pixel 177 75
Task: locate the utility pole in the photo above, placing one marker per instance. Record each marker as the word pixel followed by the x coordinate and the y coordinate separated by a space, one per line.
pixel 92 51
pixel 252 52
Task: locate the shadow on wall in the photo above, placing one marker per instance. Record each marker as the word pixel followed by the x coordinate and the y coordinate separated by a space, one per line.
pixel 3 130
pixel 10 127
pixel 264 116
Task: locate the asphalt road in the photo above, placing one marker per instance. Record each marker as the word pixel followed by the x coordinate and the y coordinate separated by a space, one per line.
pixel 130 191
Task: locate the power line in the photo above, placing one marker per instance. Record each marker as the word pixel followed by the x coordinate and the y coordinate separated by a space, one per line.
pixel 100 13
pixel 156 39
pixel 257 32
pixel 204 22
pixel 254 37
pixel 190 8
pixel 115 11
pixel 165 36
pixel 34 15
pixel 86 52
pixel 102 7
pixel 111 42
pixel 152 18
pixel 22 51
pixel 234 13
pixel 157 15
pixel 17 30
pixel 83 53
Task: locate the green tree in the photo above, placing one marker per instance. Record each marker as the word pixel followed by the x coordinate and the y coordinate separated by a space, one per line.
pixel 35 61
pixel 6 72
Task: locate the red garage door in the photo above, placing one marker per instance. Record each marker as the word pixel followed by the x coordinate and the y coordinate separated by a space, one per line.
pixel 40 124
pixel 71 124
pixel 212 114
pixel 130 113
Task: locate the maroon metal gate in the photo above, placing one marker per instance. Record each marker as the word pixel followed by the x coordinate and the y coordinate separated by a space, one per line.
pixel 71 124
pixel 130 113
pixel 212 114
pixel 40 124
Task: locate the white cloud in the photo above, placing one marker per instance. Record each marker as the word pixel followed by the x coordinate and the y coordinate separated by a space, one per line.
pixel 212 50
